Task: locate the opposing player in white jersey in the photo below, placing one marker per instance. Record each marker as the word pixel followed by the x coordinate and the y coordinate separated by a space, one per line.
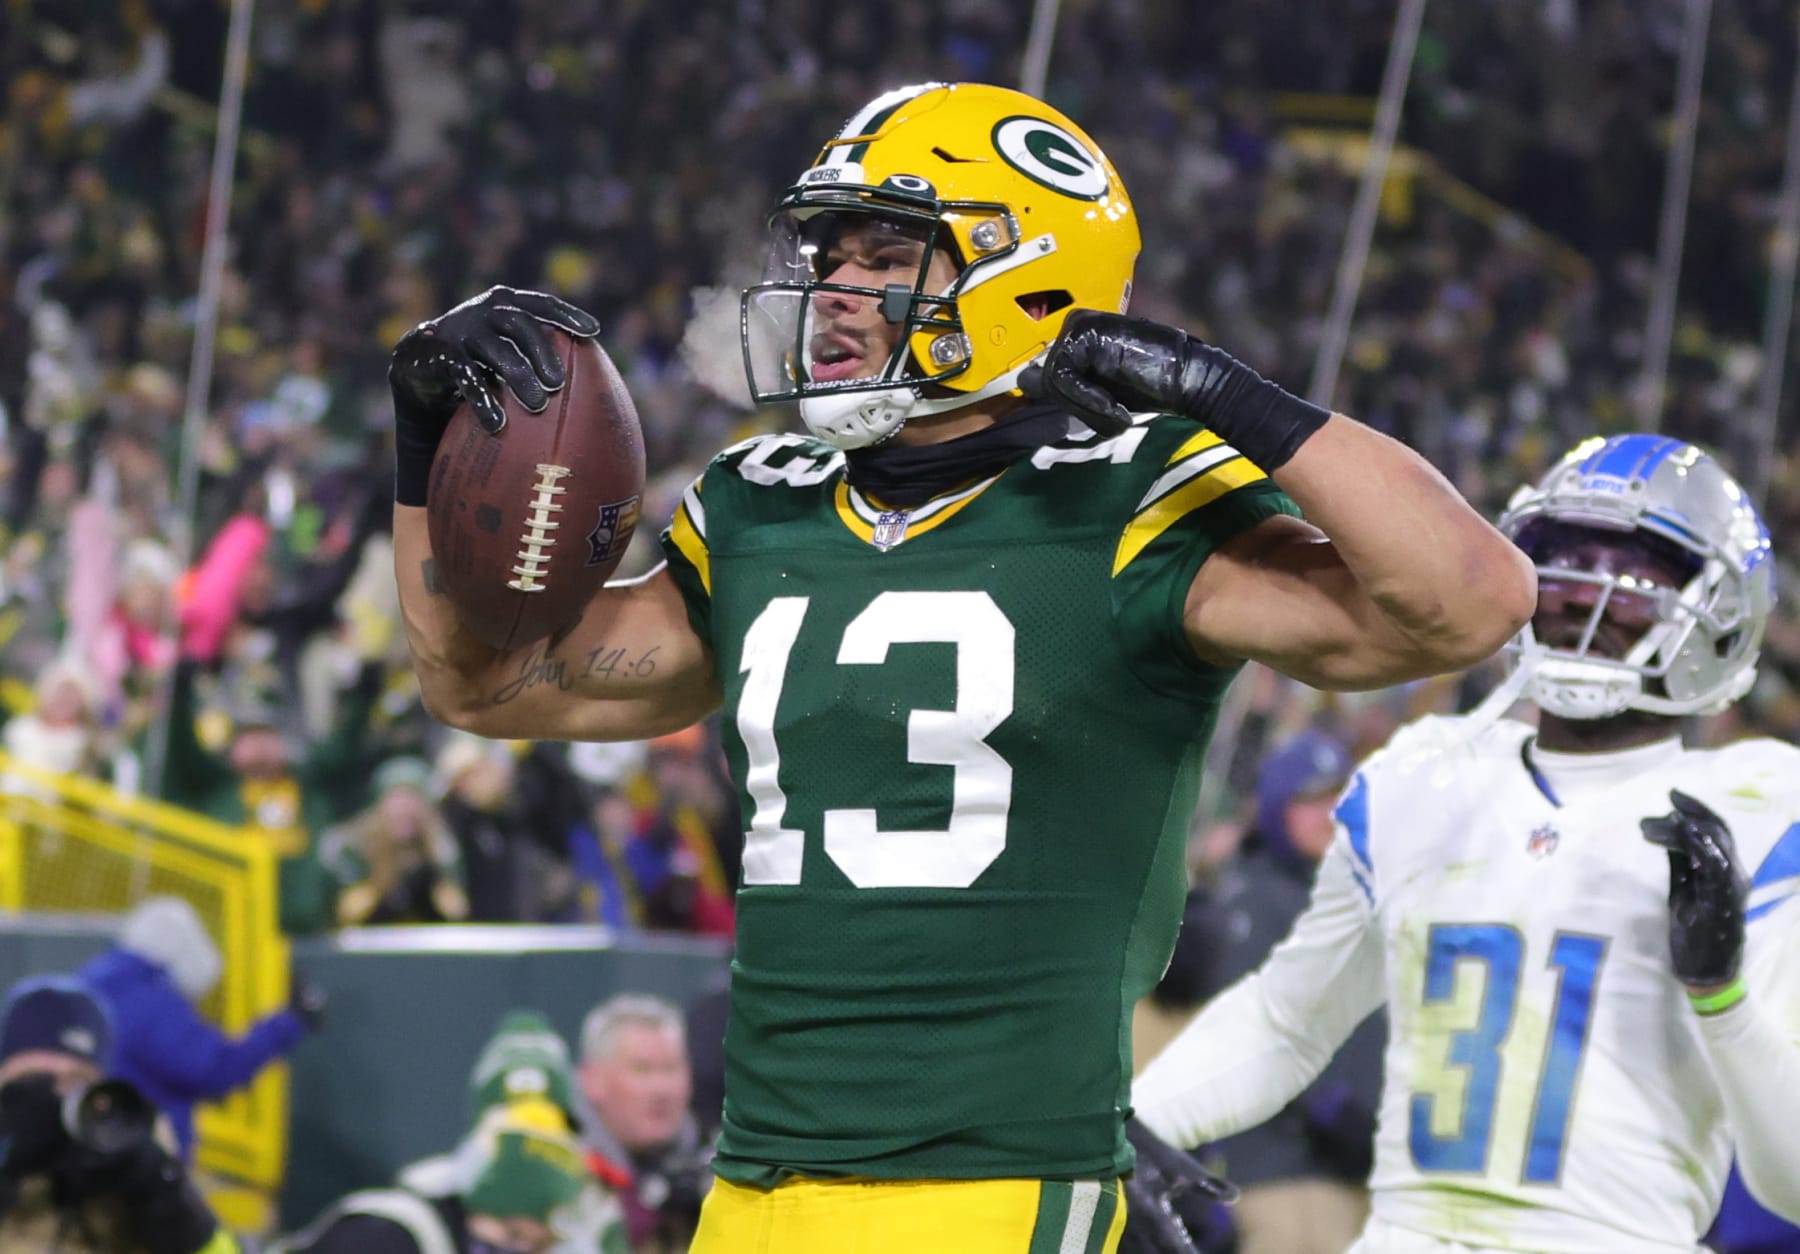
pixel 1583 1023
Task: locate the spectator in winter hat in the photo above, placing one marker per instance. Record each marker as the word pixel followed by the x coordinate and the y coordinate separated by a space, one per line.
pixel 59 735
pixel 503 868
pixel 397 862
pixel 162 966
pixel 528 1195
pixel 54 1024
pixel 526 1060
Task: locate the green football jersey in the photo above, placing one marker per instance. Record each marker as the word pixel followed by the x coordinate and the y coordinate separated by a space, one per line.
pixel 967 740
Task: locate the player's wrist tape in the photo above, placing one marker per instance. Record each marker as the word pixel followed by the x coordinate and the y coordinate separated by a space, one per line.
pixel 412 466
pixel 1263 420
pixel 1721 1001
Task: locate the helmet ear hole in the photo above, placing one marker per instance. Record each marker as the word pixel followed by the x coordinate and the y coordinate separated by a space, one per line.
pixel 1041 305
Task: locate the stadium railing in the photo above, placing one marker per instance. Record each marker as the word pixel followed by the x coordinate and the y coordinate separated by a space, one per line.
pixel 75 845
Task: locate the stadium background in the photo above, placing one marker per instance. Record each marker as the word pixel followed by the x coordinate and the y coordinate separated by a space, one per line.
pixel 393 158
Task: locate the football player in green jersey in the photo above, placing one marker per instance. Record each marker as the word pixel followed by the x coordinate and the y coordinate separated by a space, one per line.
pixel 969 639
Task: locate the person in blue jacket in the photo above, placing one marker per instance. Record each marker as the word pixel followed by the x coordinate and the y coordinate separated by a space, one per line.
pixel 151 980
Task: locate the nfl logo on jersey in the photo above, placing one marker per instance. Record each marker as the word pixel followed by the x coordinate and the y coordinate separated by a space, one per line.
pixel 1543 841
pixel 890 529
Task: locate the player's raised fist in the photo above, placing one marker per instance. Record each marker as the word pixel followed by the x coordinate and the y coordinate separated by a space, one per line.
pixel 1104 367
pixel 499 337
pixel 1707 891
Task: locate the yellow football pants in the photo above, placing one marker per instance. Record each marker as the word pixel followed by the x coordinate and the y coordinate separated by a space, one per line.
pixel 910 1216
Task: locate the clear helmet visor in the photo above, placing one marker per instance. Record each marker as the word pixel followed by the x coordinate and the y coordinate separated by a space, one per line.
pixel 842 292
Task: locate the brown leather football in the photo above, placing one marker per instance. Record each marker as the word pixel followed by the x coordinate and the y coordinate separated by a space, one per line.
pixel 527 524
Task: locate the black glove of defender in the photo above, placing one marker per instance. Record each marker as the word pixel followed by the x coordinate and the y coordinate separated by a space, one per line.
pixel 1153 1224
pixel 1707 891
pixel 458 356
pixel 1104 367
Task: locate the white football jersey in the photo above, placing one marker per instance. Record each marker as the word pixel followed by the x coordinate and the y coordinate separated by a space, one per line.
pixel 1546 1087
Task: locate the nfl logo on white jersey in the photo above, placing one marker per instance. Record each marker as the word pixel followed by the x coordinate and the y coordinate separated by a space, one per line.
pixel 1543 842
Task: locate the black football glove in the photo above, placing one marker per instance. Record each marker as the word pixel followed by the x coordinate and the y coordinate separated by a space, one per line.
pixel 459 356
pixel 1707 891
pixel 1155 1222
pixel 1104 367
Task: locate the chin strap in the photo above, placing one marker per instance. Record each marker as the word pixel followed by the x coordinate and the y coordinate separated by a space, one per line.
pixel 1574 689
pixel 852 420
pixel 1495 705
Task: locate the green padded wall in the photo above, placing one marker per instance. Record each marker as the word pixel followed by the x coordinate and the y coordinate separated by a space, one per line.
pixel 386 1080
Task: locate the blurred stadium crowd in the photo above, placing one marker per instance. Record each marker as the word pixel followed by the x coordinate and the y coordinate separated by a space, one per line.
pixel 399 157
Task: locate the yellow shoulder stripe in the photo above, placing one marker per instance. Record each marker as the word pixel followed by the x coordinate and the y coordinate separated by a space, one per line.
pixel 1165 513
pixel 1199 442
pixel 692 545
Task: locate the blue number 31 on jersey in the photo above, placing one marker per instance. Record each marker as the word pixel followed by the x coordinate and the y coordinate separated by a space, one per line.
pixel 1500 951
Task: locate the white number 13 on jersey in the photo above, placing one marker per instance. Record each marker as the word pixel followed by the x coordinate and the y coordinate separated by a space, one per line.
pixel 981 786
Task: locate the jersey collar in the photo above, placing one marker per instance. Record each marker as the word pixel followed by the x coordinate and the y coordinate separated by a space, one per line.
pixel 1561 776
pixel 884 528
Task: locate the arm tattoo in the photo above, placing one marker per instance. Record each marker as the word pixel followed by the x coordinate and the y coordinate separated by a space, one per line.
pixel 428 569
pixel 537 669
pixel 541 668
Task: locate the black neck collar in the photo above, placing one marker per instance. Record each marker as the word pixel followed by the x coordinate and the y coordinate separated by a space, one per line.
pixel 905 476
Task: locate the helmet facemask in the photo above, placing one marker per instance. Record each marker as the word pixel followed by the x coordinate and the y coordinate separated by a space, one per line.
pixel 1693 628
pixel 791 352
pixel 1035 218
pixel 1656 602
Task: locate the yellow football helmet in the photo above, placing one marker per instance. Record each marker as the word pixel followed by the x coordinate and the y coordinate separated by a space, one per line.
pixel 1031 211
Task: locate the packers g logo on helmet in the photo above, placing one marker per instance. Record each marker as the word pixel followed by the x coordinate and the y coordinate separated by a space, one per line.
pixel 1022 200
pixel 1047 154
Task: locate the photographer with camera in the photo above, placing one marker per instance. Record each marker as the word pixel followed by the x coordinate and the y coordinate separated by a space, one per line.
pixel 81 1167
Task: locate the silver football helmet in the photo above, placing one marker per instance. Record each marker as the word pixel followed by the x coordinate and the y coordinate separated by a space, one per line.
pixel 1699 650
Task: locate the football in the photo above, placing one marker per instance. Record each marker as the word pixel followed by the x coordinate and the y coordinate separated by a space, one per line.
pixel 527 524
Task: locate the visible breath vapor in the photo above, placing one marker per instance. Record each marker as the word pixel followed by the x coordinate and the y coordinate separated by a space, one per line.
pixel 711 346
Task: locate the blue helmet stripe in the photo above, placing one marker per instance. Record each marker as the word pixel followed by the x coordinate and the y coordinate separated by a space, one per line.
pixel 1630 456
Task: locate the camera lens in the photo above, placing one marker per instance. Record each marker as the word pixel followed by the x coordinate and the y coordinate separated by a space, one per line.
pixel 109 1116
